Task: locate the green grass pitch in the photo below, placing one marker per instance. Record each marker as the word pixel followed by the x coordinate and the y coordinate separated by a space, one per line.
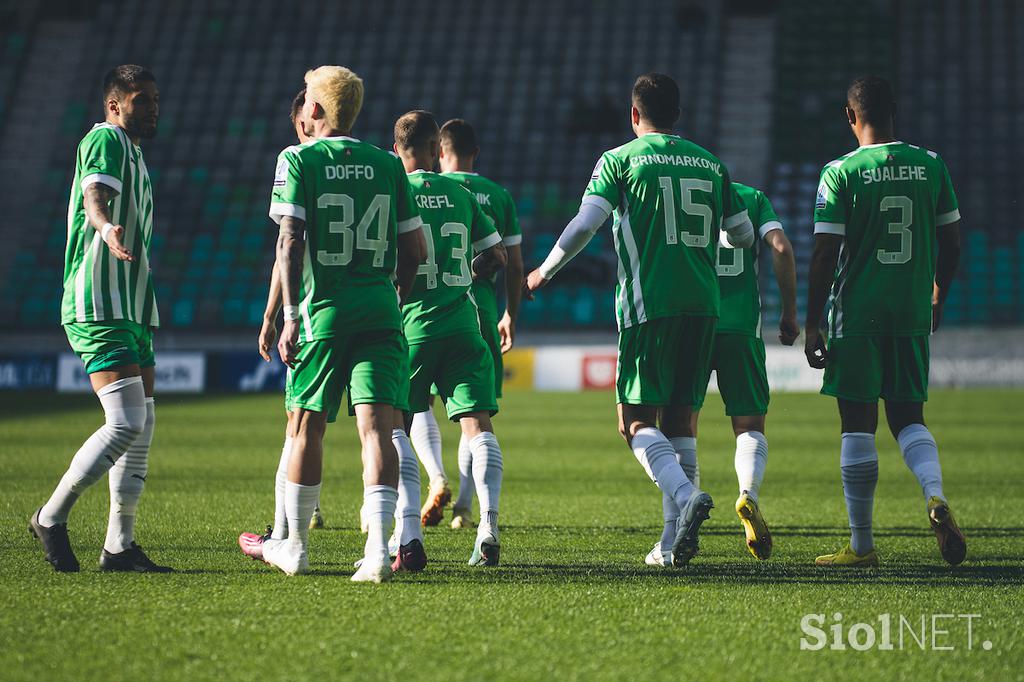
pixel 572 598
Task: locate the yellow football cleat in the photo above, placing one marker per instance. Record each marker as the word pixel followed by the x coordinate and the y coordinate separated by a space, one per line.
pixel 317 520
pixel 759 538
pixel 952 543
pixel 462 518
pixel 846 558
pixel 438 498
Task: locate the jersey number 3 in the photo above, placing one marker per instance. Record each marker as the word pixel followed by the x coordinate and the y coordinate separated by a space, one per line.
pixel 905 206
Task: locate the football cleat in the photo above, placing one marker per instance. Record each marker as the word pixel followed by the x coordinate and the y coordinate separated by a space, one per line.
pixel 952 543
pixel 438 497
pixel 56 544
pixel 462 518
pixel 372 572
pixel 411 557
pixel 656 557
pixel 847 558
pixel 486 552
pixel 317 520
pixel 132 560
pixel 697 511
pixel 759 539
pixel 286 556
pixel 252 544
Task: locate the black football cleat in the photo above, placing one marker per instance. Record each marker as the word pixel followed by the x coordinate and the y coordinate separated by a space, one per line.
pixel 132 560
pixel 56 544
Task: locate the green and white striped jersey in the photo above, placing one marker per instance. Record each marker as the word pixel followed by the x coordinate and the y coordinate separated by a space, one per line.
pixel 670 198
pixel 886 201
pixel 97 286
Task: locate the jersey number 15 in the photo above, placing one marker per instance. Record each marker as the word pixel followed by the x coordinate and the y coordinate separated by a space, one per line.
pixel 687 186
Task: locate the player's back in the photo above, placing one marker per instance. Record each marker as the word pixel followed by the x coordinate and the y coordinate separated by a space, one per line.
pixel 887 200
pixel 737 268
pixel 352 197
pixel 454 225
pixel 670 198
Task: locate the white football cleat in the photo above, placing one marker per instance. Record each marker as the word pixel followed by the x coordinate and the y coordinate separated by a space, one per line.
pixel 372 572
pixel 286 556
pixel 656 557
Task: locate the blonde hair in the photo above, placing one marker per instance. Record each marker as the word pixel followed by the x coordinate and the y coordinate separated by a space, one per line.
pixel 339 92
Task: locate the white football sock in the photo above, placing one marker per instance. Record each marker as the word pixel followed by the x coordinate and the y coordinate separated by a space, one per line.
pixel 487 473
pixel 426 439
pixel 299 501
pixel 686 454
pixel 127 479
pixel 124 406
pixel 751 460
pixel 407 512
pixel 658 458
pixel 858 461
pixel 467 488
pixel 379 502
pixel 921 455
pixel 279 531
pixel 670 513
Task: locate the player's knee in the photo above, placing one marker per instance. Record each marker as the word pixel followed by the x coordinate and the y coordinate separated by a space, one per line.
pixel 127 424
pixel 309 425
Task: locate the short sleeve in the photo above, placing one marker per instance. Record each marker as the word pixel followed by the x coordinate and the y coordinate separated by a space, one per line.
pixel 513 232
pixel 734 211
pixel 101 157
pixel 766 219
pixel 830 206
pixel 406 213
pixel 287 197
pixel 947 210
pixel 482 232
pixel 604 183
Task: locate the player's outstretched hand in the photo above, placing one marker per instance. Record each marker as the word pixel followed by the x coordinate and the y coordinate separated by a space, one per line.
pixel 507 333
pixel 789 330
pixel 814 349
pixel 114 240
pixel 268 334
pixel 533 282
pixel 287 347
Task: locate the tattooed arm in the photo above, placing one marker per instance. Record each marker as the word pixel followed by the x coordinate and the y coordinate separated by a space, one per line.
pixel 97 200
pixel 291 242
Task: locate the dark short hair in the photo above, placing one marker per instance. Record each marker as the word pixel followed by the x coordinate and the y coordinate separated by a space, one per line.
pixel 656 97
pixel 459 136
pixel 297 103
pixel 414 129
pixel 125 79
pixel 873 100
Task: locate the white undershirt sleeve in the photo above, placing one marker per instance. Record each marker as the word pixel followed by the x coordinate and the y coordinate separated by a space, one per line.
pixel 576 235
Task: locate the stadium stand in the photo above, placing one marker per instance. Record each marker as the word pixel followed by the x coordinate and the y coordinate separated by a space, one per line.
pixel 545 84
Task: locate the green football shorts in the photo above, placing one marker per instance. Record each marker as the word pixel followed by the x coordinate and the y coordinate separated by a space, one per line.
pixel 369 364
pixel 739 362
pixel 665 361
pixel 489 330
pixel 863 369
pixel 461 367
pixel 111 344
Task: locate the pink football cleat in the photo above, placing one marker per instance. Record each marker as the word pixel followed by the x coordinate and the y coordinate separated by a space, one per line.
pixel 411 557
pixel 252 545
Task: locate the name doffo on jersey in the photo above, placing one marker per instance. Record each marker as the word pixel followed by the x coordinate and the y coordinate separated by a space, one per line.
pixel 892 174
pixel 349 172
pixel 434 201
pixel 676 160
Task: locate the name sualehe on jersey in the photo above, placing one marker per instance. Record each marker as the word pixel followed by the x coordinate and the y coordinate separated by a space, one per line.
pixel 892 174
pixel 676 160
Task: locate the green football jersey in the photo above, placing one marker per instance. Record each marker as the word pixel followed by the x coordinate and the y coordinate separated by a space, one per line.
pixel 97 286
pixel 355 200
pixel 737 268
pixel 455 227
pixel 497 203
pixel 886 201
pixel 670 198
